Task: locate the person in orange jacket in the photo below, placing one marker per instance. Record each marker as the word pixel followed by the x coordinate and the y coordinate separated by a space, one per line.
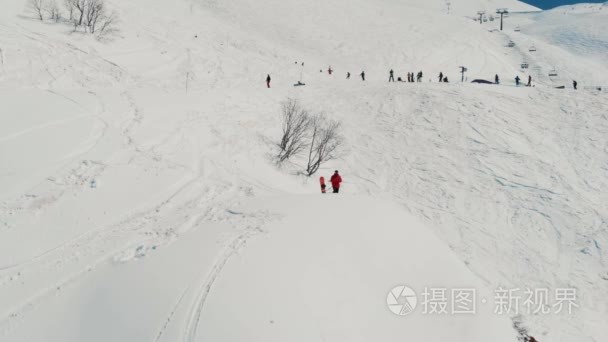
pixel 335 182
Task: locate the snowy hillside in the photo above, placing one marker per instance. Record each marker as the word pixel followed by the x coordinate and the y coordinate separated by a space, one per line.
pixel 581 29
pixel 139 200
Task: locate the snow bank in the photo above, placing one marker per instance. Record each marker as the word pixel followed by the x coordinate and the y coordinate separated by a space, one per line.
pixel 339 258
pixel 312 267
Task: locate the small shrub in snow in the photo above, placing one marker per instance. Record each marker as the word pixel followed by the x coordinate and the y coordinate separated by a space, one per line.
pixel 106 26
pixel 36 7
pixel 295 127
pixel 95 10
pixel 325 140
pixel 303 131
pixel 92 16
pixel 53 11
pixel 70 8
pixel 79 7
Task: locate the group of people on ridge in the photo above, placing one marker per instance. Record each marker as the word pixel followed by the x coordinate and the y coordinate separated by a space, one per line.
pixel 517 80
pixel 411 77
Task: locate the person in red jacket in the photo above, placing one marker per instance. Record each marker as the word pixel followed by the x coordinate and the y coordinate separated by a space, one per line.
pixel 335 182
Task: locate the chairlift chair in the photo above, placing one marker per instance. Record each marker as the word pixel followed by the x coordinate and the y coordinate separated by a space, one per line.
pixel 517 29
pixel 553 73
pixel 511 44
pixel 525 65
pixel 532 48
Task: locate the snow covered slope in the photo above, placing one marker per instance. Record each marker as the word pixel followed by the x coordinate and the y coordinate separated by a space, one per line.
pixel 575 28
pixel 283 274
pixel 137 193
pixel 571 39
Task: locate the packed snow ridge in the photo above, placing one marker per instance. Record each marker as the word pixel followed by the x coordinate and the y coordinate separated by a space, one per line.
pixel 140 199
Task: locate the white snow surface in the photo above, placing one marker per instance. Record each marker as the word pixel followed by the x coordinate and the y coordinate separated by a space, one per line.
pixel 577 28
pixel 136 208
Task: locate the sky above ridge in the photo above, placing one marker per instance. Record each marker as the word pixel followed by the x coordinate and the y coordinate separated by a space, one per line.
pixel 547 4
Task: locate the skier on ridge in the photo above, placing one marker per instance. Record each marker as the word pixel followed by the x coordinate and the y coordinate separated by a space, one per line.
pixel 391 78
pixel 335 182
pixel 529 81
pixel 517 80
pixel 362 75
pixel 268 81
pixel 441 77
pixel 574 84
pixel 496 79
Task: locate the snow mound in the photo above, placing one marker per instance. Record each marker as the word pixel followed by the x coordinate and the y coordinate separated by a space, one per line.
pixel 340 257
pixel 331 281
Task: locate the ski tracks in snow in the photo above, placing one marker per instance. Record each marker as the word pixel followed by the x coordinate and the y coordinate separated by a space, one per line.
pixel 248 225
pixel 205 288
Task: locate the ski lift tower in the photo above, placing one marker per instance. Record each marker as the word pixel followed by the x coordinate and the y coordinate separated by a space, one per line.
pixel 501 11
pixel 462 71
pixel 481 14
